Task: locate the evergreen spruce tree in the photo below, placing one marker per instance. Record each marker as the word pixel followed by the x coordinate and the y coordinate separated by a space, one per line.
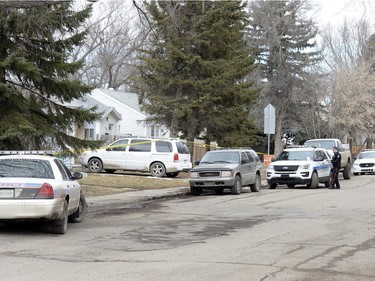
pixel 35 72
pixel 286 45
pixel 195 75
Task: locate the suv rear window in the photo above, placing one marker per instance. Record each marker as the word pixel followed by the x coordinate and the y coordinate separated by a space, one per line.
pixel 182 148
pixel 255 155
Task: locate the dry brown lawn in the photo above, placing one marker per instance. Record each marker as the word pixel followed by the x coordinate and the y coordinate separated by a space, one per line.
pixel 104 184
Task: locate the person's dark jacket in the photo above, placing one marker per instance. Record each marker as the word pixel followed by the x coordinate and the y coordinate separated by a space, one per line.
pixel 336 160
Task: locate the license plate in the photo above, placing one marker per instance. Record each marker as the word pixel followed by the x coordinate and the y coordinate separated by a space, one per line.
pixel 6 193
pixel 285 176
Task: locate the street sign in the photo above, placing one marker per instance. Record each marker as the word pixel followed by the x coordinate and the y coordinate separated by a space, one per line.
pixel 269 123
pixel 269 119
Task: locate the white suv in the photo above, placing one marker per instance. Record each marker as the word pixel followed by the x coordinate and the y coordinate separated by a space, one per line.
pixel 303 165
pixel 160 157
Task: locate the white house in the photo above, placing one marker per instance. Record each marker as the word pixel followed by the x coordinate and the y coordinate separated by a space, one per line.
pixel 121 116
pixel 107 126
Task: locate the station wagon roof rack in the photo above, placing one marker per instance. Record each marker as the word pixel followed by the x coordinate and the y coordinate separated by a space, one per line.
pixel 27 152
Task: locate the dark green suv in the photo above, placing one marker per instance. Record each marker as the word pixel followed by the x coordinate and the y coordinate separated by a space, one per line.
pixel 226 168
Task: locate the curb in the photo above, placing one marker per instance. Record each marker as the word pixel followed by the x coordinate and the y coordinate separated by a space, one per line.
pixel 138 196
pixel 118 200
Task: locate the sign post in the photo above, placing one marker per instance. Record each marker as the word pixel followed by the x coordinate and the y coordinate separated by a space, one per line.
pixel 269 123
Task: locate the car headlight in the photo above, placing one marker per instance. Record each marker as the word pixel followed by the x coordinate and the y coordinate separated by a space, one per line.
pixel 270 168
pixel 193 174
pixel 355 163
pixel 305 167
pixel 226 174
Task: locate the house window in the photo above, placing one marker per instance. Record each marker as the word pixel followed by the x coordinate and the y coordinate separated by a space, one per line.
pixel 155 131
pixel 89 134
pixel 110 126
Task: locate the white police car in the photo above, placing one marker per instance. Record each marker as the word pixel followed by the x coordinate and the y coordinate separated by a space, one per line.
pixel 36 186
pixel 365 163
pixel 303 165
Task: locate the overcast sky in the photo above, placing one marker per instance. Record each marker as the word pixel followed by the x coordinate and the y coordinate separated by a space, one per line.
pixel 334 11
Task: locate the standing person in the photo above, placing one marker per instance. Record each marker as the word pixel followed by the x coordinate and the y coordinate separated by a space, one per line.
pixel 336 163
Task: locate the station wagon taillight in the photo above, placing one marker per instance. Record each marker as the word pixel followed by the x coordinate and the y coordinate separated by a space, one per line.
pixel 175 157
pixel 45 192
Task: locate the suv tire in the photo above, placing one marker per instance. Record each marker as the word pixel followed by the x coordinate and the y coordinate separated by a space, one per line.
pixel 256 186
pixel 157 169
pixel 347 171
pixel 237 186
pixel 95 165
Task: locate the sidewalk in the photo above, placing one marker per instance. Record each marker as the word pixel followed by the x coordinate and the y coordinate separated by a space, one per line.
pixel 136 196
pixel 141 196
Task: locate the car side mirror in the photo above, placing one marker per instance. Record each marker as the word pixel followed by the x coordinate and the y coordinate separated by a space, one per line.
pixel 77 176
pixel 196 162
pixel 108 149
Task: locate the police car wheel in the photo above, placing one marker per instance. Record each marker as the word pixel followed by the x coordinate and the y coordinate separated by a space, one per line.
pixel 314 181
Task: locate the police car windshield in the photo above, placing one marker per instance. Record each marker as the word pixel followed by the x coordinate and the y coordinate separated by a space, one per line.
pixel 366 155
pixel 296 155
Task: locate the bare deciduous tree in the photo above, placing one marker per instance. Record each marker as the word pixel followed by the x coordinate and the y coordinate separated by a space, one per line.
pixel 109 51
pixel 352 103
pixel 350 56
pixel 345 44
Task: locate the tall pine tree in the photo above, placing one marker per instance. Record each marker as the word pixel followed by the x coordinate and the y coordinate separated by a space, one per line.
pixel 285 41
pixel 35 72
pixel 195 75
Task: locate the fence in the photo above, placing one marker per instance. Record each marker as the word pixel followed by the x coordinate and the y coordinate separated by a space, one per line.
pixel 356 149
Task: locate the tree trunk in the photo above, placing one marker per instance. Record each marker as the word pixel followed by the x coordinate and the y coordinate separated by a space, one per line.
pixel 280 115
pixel 174 121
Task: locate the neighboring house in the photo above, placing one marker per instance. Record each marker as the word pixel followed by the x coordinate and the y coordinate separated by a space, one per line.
pixel 105 128
pixel 121 117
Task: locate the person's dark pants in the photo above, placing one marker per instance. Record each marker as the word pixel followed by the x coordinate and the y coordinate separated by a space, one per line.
pixel 335 178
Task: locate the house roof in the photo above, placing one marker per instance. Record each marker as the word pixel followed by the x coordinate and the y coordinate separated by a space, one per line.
pixel 127 98
pixel 87 101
